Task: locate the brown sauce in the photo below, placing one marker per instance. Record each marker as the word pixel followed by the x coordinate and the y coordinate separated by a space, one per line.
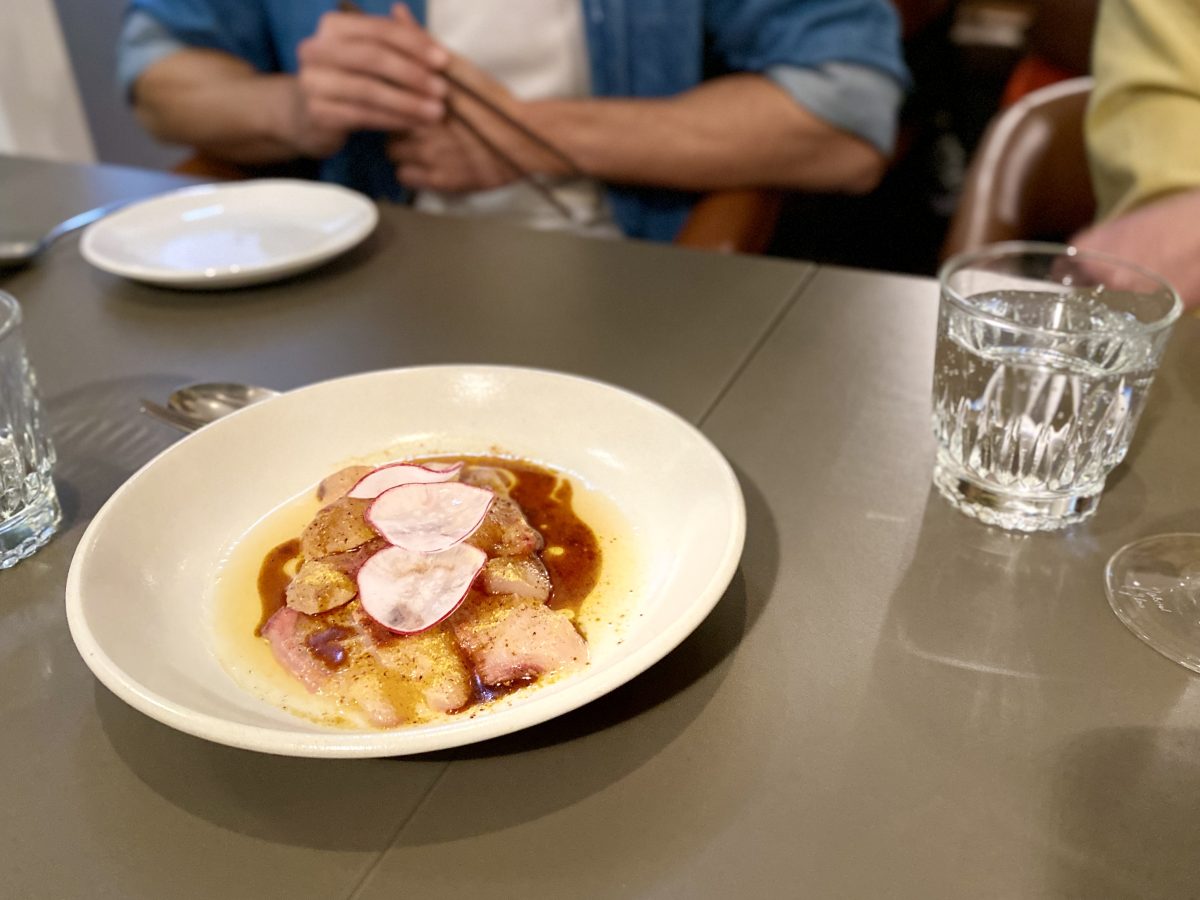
pixel 571 555
pixel 273 578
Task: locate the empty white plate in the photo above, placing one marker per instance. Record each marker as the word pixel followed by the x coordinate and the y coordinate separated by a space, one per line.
pixel 228 235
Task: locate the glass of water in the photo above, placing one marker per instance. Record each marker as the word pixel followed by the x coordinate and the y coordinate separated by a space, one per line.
pixel 1045 356
pixel 29 511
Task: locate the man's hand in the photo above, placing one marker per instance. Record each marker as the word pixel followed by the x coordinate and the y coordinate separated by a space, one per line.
pixel 449 156
pixel 360 72
pixel 310 137
pixel 446 157
pixel 1162 236
pixel 356 72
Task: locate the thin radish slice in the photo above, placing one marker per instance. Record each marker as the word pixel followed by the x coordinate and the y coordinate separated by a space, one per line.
pixel 393 475
pixel 451 467
pixel 429 517
pixel 407 591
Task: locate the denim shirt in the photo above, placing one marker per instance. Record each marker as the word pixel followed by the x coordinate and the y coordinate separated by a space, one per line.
pixel 637 48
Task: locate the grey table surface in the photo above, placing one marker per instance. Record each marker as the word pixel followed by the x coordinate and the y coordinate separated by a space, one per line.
pixel 889 701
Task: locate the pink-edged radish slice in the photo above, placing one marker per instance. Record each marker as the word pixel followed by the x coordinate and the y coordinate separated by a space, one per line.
pixel 452 468
pixel 407 591
pixel 393 475
pixel 429 517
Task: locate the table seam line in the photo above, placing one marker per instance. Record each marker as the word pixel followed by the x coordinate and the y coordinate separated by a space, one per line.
pixel 772 326
pixel 357 890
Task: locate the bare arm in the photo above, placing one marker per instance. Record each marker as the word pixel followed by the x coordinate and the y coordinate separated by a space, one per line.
pixel 736 131
pixel 356 73
pixel 218 103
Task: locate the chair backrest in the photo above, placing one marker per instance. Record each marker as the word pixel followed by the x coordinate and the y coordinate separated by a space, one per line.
pixel 916 14
pixel 1058 47
pixel 733 221
pixel 1029 177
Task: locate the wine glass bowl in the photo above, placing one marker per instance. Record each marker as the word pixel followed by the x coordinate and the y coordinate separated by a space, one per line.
pixel 1153 586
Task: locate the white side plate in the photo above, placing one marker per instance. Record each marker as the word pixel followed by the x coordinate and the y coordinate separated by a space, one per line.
pixel 229 235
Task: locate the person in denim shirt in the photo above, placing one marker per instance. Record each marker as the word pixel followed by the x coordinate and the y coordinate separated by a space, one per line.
pixel 686 96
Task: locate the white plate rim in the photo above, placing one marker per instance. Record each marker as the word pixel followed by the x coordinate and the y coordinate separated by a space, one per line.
pixel 247 274
pixel 405 742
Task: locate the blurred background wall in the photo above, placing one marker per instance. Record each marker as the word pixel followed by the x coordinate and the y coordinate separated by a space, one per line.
pixel 90 28
pixel 40 109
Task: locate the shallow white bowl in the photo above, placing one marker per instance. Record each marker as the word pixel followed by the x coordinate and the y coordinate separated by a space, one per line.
pixel 228 235
pixel 140 585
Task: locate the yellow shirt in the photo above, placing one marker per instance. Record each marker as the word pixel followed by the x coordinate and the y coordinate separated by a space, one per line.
pixel 1143 123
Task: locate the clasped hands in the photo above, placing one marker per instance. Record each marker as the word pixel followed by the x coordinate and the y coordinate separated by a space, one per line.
pixel 380 73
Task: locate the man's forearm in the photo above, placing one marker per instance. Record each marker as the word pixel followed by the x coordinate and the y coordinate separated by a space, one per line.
pixel 219 104
pixel 737 131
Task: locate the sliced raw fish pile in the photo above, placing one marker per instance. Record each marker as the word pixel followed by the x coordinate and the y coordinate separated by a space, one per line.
pixel 418 584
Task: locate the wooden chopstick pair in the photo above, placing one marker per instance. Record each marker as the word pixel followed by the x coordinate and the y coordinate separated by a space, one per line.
pixel 530 178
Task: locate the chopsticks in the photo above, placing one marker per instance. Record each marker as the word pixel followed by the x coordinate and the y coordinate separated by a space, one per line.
pixel 531 178
pixel 524 174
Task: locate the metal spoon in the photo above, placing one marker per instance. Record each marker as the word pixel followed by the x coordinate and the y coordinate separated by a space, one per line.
pixel 14 254
pixel 195 405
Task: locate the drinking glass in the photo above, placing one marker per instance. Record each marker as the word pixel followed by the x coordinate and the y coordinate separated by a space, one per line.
pixel 29 511
pixel 1045 355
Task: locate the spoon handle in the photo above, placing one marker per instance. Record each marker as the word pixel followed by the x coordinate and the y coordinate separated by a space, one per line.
pixel 163 414
pixel 79 221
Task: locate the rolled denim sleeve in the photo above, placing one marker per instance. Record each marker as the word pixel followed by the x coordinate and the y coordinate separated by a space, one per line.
pixel 857 99
pixel 840 59
pixel 154 28
pixel 142 42
pixel 754 35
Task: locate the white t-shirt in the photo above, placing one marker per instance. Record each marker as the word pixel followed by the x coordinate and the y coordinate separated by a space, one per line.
pixel 538 50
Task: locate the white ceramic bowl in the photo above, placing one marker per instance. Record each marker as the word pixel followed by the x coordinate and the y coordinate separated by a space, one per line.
pixel 139 592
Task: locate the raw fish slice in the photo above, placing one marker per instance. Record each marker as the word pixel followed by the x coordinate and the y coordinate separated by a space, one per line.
pixel 505 531
pixel 337 485
pixel 429 660
pixel 287 632
pixel 497 480
pixel 524 576
pixel 324 584
pixel 332 655
pixel 511 638
pixel 351 561
pixel 319 587
pixel 336 528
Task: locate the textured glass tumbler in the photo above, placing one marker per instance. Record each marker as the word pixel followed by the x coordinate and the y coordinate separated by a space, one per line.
pixel 29 511
pixel 1045 356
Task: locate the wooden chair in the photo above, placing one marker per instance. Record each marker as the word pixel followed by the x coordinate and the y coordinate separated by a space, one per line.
pixel 1058 47
pixel 732 221
pixel 1029 177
